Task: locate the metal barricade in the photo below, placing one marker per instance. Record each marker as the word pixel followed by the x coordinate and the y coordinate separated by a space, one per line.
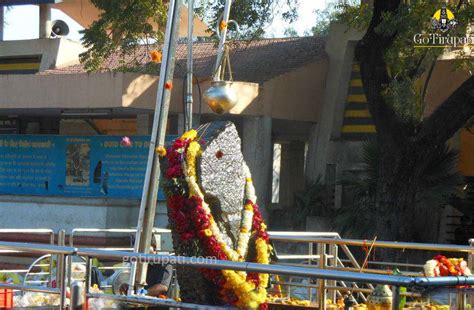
pixel 318 273
pixel 118 231
pixel 321 274
pixel 323 264
pixel 328 245
pixel 34 231
pixel 61 251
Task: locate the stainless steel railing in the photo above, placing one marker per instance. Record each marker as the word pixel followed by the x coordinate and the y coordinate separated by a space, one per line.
pixel 333 243
pixel 331 260
pixel 326 257
pixel 34 231
pixel 61 251
pixel 311 272
pixel 318 273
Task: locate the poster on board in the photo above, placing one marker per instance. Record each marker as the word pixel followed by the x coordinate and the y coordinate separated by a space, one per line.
pixel 73 166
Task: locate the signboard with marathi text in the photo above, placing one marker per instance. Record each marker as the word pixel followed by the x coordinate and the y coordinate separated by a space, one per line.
pixel 73 166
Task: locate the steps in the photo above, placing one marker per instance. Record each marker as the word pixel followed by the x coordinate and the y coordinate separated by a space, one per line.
pixel 358 123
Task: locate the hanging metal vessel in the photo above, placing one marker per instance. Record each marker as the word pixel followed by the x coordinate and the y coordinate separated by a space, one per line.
pixel 220 97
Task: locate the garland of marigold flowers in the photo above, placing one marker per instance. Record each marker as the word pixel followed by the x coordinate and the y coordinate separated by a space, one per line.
pixel 193 220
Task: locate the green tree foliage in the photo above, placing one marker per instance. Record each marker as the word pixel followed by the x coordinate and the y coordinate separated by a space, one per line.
pixel 410 67
pixel 290 32
pixel 352 13
pixel 127 24
pixel 253 16
pixel 122 26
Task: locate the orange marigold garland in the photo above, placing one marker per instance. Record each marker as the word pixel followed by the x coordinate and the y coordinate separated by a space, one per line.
pixel 155 56
pixel 193 220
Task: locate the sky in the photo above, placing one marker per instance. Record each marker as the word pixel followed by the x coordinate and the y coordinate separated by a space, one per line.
pixel 22 21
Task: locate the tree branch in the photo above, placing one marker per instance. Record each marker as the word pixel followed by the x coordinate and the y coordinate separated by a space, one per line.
pixel 450 116
pixel 415 72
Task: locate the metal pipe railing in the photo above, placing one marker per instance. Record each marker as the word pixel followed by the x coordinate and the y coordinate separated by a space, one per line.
pixel 383 244
pixel 33 231
pixel 329 273
pixel 286 270
pixel 280 235
pixel 371 262
pixel 298 271
pixel 130 231
pixel 325 240
pixel 37 248
pixel 154 301
pixel 28 288
pixel 62 251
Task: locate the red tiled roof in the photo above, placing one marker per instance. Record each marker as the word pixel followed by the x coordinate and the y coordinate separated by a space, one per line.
pixel 254 61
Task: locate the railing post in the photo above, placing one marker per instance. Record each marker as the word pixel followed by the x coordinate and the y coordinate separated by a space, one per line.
pixel 470 263
pixel 395 297
pixel 333 252
pixel 461 299
pixel 61 274
pixel 2 22
pixel 87 282
pixel 310 262
pixel 77 300
pixel 51 241
pixel 322 282
pixel 61 270
pixel 69 261
pixel 470 256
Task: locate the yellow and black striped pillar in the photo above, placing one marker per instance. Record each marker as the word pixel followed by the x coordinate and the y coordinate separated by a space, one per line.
pixel 20 64
pixel 358 123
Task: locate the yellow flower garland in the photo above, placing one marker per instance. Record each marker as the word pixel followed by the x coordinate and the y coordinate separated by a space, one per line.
pixel 248 295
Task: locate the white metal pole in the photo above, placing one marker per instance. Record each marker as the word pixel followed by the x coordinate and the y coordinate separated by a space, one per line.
pixel 2 21
pixel 146 217
pixel 222 36
pixel 189 75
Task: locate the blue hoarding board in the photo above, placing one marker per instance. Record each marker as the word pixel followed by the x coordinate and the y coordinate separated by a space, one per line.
pixel 73 166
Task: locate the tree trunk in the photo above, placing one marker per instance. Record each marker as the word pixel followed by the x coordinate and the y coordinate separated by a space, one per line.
pixel 396 192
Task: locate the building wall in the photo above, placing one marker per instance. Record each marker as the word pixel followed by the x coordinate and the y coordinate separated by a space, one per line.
pixel 466 152
pixel 296 95
pixel 55 52
pixel 444 81
pixel 58 213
